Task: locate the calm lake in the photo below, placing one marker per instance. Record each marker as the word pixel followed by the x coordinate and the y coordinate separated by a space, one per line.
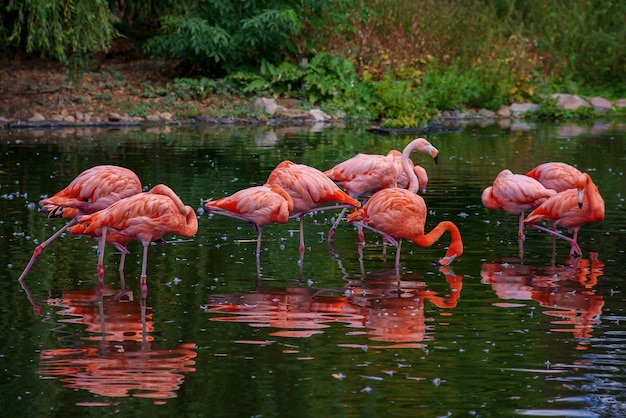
pixel 333 332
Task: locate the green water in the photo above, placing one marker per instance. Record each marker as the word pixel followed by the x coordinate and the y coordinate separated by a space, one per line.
pixel 331 333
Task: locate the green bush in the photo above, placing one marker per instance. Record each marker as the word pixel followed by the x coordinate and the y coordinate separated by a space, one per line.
pixel 69 31
pixel 221 37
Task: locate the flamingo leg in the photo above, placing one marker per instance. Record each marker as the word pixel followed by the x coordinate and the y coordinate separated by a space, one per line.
pixel 101 253
pixel 121 271
pixel 333 228
pixel 259 274
pixel 43 245
pixel 553 259
pixel 575 250
pixel 391 240
pixel 520 232
pixel 258 243
pixel 143 281
pixel 301 248
pixel 398 254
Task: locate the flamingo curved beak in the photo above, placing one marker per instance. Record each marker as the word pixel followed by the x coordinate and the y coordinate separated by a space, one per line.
pixel 580 198
pixel 445 261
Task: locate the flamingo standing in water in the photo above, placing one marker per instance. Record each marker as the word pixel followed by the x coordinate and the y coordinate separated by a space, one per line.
pixel 365 174
pixel 571 209
pixel 259 205
pixel 94 189
pixel 556 176
pixel 399 213
pixel 145 217
pixel 515 193
pixel 310 190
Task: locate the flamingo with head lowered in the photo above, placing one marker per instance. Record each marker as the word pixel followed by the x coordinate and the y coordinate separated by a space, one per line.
pixel 399 213
pixel 310 191
pixel 570 209
pixel 259 205
pixel 515 193
pixel 92 190
pixel 146 217
pixel 365 174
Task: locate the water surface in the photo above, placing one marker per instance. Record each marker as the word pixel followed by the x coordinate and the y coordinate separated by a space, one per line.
pixel 331 331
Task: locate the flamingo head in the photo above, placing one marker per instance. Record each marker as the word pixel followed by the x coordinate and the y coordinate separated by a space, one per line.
pixel 581 184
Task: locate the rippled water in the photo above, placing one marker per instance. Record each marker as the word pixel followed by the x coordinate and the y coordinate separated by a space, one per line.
pixel 336 331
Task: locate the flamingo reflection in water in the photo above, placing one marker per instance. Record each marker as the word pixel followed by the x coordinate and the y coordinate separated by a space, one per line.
pixel 377 305
pixel 566 293
pixel 118 356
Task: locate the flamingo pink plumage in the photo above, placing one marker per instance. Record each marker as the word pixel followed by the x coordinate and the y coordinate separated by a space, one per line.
pixel 146 217
pixel 399 213
pixel 515 193
pixel 309 189
pixel 92 190
pixel 556 176
pixel 259 205
pixel 365 174
pixel 570 209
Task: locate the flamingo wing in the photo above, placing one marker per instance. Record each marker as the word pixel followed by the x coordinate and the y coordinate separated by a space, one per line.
pixel 391 211
pixel 93 190
pixel 308 187
pixel 556 176
pixel 364 174
pixel 260 205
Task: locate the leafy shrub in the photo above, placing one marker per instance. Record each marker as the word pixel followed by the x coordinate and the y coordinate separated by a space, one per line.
pixel 197 89
pixel 221 37
pixel 69 31
pixel 328 78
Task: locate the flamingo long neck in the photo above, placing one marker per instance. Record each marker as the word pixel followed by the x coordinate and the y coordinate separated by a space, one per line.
pixel 426 240
pixel 191 223
pixel 594 200
pixel 191 220
pixel 407 167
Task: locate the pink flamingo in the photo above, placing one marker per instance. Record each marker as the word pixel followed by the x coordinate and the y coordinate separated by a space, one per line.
pixel 365 174
pixel 310 190
pixel 94 189
pixel 145 217
pixel 399 213
pixel 515 193
pixel 259 205
pixel 570 209
pixel 556 176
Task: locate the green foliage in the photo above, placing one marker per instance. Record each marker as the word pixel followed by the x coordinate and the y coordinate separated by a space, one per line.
pixel 282 80
pixel 196 89
pixel 221 37
pixel 581 40
pixel 63 30
pixel 329 78
pixel 398 103
pixel 399 62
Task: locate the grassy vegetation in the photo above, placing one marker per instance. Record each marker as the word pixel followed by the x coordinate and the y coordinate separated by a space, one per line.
pixel 402 62
pixel 399 62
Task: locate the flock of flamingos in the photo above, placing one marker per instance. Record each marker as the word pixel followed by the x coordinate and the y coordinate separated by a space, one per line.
pixel 106 202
